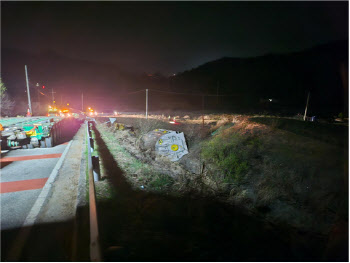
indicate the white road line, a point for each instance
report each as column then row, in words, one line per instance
column 21, row 238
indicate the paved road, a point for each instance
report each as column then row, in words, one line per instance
column 23, row 175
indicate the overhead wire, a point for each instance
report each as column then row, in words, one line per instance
column 194, row 94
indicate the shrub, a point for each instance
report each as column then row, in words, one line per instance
column 161, row 182
column 231, row 155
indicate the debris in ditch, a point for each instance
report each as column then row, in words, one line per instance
column 121, row 127
column 166, row 143
column 112, row 120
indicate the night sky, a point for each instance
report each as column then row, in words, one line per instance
column 169, row 37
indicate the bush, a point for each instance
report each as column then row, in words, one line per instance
column 231, row 155
column 161, row 182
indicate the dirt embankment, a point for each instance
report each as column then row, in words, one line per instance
column 278, row 175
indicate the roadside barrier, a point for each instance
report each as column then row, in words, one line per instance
column 95, row 250
column 56, row 131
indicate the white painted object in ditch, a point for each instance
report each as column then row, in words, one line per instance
column 172, row 145
column 112, row 120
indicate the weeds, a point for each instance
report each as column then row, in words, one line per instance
column 230, row 155
column 328, row 133
column 161, row 182
column 251, row 164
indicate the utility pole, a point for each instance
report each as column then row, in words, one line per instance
column 307, row 103
column 82, row 101
column 146, row 104
column 29, row 103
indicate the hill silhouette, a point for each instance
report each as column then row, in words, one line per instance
column 273, row 82
column 284, row 78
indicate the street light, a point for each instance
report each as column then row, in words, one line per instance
column 37, row 89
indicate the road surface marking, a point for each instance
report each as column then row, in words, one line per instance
column 24, row 232
column 31, row 157
column 23, row 185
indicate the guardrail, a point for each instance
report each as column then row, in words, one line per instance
column 56, row 131
column 95, row 251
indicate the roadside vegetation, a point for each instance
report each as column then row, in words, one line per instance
column 285, row 171
column 139, row 174
column 6, row 103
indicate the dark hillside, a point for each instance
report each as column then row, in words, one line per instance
column 286, row 79
column 246, row 84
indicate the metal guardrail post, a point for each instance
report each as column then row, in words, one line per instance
column 95, row 252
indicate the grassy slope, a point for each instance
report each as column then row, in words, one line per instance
column 138, row 173
column 293, row 175
column 288, row 171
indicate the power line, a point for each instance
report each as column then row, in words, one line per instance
column 194, row 94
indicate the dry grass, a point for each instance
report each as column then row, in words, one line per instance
column 285, row 173
column 250, row 164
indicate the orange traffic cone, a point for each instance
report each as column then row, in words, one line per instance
column 28, row 113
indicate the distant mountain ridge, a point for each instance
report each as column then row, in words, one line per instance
column 247, row 82
column 285, row 77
